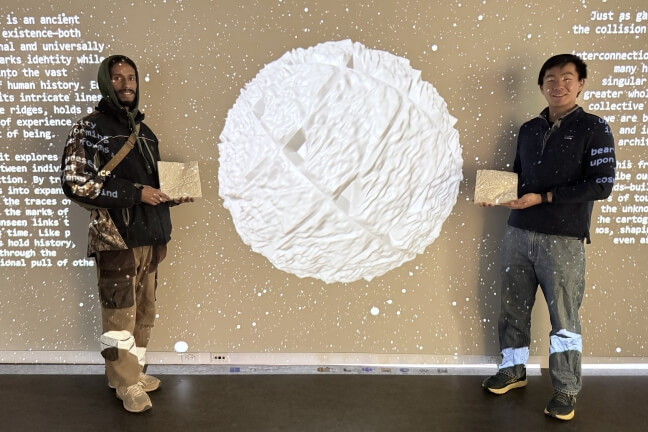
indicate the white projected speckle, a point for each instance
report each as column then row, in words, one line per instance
column 180, row 347
column 339, row 162
column 375, row 311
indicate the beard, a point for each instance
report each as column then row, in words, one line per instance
column 127, row 104
column 126, row 98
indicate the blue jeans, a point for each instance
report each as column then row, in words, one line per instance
column 557, row 264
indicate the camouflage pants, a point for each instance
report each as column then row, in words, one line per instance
column 127, row 288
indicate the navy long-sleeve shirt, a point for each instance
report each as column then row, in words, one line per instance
column 574, row 160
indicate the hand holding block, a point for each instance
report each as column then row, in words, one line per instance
column 495, row 187
column 180, row 180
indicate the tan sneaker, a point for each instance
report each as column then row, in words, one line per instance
column 148, row 382
column 135, row 399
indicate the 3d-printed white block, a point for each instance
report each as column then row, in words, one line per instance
column 495, row 187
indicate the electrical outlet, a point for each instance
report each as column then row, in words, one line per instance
column 219, row 358
column 189, row 357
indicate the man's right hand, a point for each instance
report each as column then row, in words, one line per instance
column 153, row 197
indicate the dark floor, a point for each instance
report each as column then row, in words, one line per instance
column 311, row 403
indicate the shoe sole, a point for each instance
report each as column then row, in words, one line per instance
column 146, row 408
column 501, row 391
column 560, row 416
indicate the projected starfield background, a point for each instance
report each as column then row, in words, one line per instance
column 442, row 86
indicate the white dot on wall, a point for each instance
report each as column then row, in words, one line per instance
column 147, row 78
column 180, row 347
column 480, row 17
column 375, row 311
column 80, row 304
column 618, row 349
column 434, row 47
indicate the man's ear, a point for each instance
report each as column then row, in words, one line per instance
column 581, row 85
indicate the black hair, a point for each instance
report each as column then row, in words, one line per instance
column 562, row 60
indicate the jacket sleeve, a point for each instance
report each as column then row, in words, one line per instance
column 81, row 178
column 599, row 168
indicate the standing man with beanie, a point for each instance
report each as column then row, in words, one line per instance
column 110, row 167
column 565, row 161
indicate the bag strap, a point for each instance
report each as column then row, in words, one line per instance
column 121, row 154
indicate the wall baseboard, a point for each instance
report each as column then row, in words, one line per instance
column 89, row 362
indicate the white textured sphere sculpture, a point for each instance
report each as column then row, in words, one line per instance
column 338, row 162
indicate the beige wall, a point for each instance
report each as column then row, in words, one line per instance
column 219, row 296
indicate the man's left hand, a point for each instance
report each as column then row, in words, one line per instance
column 182, row 200
column 525, row 201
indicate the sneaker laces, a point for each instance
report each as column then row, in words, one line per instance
column 142, row 378
column 564, row 398
column 135, row 389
